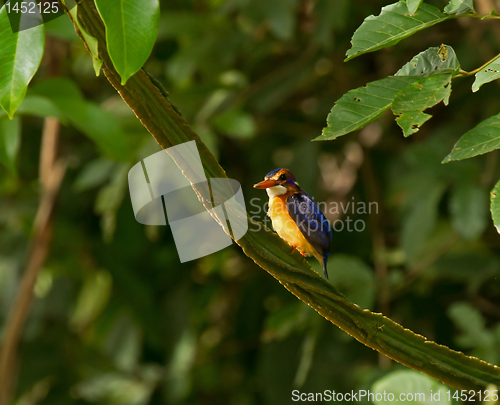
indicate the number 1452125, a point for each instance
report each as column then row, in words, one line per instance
column 471, row 395
column 32, row 7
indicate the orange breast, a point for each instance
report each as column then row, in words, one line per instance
column 286, row 227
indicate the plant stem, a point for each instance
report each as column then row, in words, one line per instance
column 51, row 175
column 463, row 73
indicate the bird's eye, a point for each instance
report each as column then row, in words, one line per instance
column 282, row 177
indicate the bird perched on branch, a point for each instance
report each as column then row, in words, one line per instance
column 296, row 217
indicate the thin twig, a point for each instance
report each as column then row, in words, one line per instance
column 378, row 243
column 463, row 73
column 486, row 306
column 51, row 175
column 48, row 148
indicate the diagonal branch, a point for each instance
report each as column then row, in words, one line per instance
column 268, row 251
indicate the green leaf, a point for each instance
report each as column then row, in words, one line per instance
column 472, row 323
column 89, row 40
column 40, row 107
column 353, row 278
column 363, row 105
column 432, row 61
column 282, row 322
column 20, row 56
column 281, row 16
column 110, row 198
column 413, row 5
column 468, row 207
column 93, row 174
column 392, row 25
column 61, row 28
column 410, row 102
column 97, row 124
column 10, row 139
column 121, row 388
column 329, row 16
column 92, row 299
column 495, row 205
column 421, row 220
column 486, row 75
column 236, row 123
column 481, row 139
column 403, row 383
column 131, row 29
column 459, row 7
column 491, row 13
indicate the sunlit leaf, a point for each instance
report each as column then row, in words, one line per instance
column 459, row 7
column 131, row 29
column 486, row 75
column 410, row 103
column 363, row 105
column 495, row 206
column 468, row 207
column 393, row 24
column 10, row 139
column 413, row 5
column 90, row 40
column 434, row 60
column 481, row 139
column 403, row 383
column 92, row 299
column 120, row 388
column 20, row 55
column 123, row 342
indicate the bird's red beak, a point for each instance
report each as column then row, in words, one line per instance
column 266, row 184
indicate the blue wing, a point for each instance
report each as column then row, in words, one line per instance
column 311, row 221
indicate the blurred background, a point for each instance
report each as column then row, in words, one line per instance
column 117, row 319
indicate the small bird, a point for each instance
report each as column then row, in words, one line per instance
column 295, row 216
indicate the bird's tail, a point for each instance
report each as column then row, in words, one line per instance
column 324, row 265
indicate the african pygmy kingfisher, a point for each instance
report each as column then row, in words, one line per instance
column 295, row 216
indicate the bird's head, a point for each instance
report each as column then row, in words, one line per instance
column 278, row 182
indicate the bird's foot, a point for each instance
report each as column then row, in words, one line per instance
column 303, row 253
